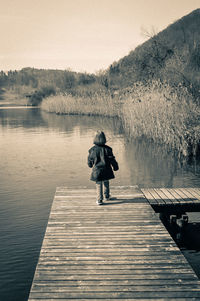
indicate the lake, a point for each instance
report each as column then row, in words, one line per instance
column 40, row 151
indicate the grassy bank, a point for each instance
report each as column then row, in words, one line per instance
column 12, row 97
column 102, row 105
column 164, row 114
column 156, row 111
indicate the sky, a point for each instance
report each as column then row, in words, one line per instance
column 80, row 35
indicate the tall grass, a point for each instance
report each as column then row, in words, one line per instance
column 96, row 105
column 164, row 114
column 157, row 111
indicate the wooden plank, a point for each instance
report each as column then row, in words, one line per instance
column 108, row 299
column 111, row 282
column 149, row 197
column 112, row 273
column 173, row 196
column 114, row 288
column 189, row 195
column 194, row 194
column 127, row 299
column 158, row 199
column 163, row 196
column 120, row 258
column 117, row 251
column 105, row 243
column 117, row 191
column 184, row 197
column 144, row 293
column 177, row 196
column 168, row 195
column 197, row 190
column 118, row 195
column 60, row 275
column 84, row 189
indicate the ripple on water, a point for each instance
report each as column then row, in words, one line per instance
column 41, row 151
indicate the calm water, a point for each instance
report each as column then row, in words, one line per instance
column 40, row 151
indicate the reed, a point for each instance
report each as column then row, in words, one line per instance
column 164, row 114
column 102, row 105
column 157, row 111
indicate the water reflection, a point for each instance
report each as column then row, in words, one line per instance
column 153, row 166
column 40, row 151
column 25, row 118
column 66, row 123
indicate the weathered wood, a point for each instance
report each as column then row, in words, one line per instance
column 197, row 191
column 49, row 287
column 161, row 272
column 194, row 192
column 110, row 282
column 145, row 294
column 173, row 200
column 191, row 194
column 61, row 275
column 170, row 196
column 184, row 197
column 177, row 196
column 108, row 299
column 155, row 196
column 117, row 251
column 163, row 196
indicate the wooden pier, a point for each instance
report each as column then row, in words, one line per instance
column 118, row 251
column 173, row 200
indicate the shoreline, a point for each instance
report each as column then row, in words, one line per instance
column 18, row 107
column 156, row 111
column 166, row 115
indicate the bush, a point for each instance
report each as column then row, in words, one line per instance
column 36, row 98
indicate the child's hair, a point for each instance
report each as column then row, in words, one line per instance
column 99, row 138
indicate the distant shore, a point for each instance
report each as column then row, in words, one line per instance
column 9, row 98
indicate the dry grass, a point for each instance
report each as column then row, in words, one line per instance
column 66, row 104
column 164, row 115
column 156, row 111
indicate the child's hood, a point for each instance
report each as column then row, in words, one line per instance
column 100, row 138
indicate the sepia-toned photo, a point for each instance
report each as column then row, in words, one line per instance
column 99, row 150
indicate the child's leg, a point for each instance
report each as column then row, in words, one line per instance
column 106, row 189
column 99, row 188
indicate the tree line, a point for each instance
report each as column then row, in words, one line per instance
column 171, row 56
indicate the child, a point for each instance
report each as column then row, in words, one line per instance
column 102, row 160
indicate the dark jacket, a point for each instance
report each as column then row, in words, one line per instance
column 102, row 160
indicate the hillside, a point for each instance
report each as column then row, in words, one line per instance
column 172, row 55
column 35, row 84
